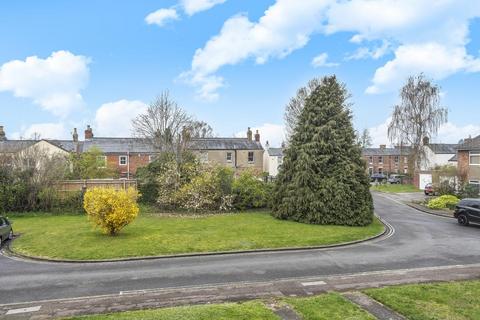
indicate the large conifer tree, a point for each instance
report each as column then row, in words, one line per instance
column 323, row 179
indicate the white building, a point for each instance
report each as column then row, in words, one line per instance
column 272, row 159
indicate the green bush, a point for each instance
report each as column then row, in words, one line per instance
column 250, row 191
column 443, row 202
column 469, row 191
column 49, row 199
column 208, row 191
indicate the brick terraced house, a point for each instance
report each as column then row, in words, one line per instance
column 386, row 161
column 126, row 155
column 468, row 157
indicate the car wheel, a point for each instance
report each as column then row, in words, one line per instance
column 463, row 220
column 10, row 235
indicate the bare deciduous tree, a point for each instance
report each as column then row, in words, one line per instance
column 365, row 140
column 296, row 104
column 168, row 127
column 419, row 116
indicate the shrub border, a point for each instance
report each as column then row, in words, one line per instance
column 388, row 231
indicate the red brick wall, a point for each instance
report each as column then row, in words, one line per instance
column 388, row 165
column 136, row 161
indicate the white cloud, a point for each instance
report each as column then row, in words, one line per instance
column 322, row 61
column 435, row 60
column 53, row 83
column 162, row 16
column 372, row 53
column 42, row 131
column 273, row 133
column 447, row 133
column 114, row 119
column 402, row 27
column 192, row 7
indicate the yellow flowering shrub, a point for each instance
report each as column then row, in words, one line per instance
column 110, row 209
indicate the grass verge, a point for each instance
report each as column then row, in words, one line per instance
column 395, row 188
column 72, row 237
column 328, row 307
column 253, row 310
column 453, row 301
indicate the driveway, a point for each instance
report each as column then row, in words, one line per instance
column 419, row 241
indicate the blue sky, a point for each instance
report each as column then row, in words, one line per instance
column 232, row 63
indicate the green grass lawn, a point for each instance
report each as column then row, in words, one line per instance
column 73, row 237
column 395, row 188
column 253, row 310
column 453, row 301
column 328, row 307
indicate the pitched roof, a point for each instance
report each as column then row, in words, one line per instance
column 443, row 148
column 275, row 152
column 118, row 145
column 454, row 158
column 386, row 151
column 224, row 144
column 67, row 145
column 470, row 144
column 12, row 146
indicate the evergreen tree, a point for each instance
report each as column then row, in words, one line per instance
column 323, row 178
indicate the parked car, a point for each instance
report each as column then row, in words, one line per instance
column 468, row 210
column 379, row 177
column 6, row 231
column 395, row 179
column 429, row 190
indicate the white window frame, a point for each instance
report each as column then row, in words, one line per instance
column 475, row 154
column 104, row 161
column 253, row 157
column 380, row 159
column 474, row 182
column 227, row 157
column 120, row 160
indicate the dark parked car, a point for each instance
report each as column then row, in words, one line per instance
column 468, row 210
column 379, row 177
column 6, row 231
column 429, row 191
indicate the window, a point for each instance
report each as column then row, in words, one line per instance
column 102, row 161
column 405, row 159
column 380, row 159
column 405, row 170
column 380, row 170
column 370, row 171
column 475, row 158
column 280, row 160
column 397, row 158
column 151, row 158
column 370, row 159
column 229, row 157
column 250, row 156
column 123, row 160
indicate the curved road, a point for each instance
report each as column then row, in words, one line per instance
column 420, row 240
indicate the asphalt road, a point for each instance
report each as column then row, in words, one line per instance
column 420, row 240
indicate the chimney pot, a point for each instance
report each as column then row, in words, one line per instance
column 75, row 135
column 88, row 133
column 249, row 134
column 383, row 146
column 257, row 136
column 426, row 141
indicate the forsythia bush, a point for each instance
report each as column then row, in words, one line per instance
column 443, row 202
column 110, row 209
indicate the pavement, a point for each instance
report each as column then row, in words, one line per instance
column 420, row 248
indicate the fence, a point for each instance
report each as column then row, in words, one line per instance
column 80, row 185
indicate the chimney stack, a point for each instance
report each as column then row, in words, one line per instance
column 249, row 134
column 267, row 145
column 3, row 137
column 88, row 133
column 257, row 136
column 426, row 141
column 75, row 135
column 383, row 146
